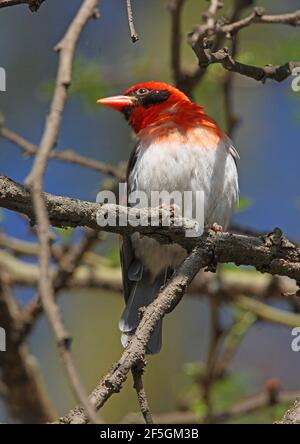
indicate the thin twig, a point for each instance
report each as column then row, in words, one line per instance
column 66, row 155
column 232, row 340
column 62, row 275
column 66, row 48
column 188, row 81
column 212, row 28
column 214, row 337
column 216, row 32
column 133, row 34
column 251, row 404
column 223, row 57
column 258, row 16
column 231, row 121
column 266, row 312
column 137, row 374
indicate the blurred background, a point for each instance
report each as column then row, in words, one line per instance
column 267, row 138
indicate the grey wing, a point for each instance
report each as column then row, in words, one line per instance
column 132, row 268
column 129, row 263
column 138, row 286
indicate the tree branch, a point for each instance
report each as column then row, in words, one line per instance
column 168, row 298
column 292, row 416
column 61, row 276
column 137, row 374
column 66, row 48
column 273, row 253
column 32, row 4
column 258, row 16
column 66, row 155
column 133, row 34
column 251, row 404
column 207, row 57
column 208, row 53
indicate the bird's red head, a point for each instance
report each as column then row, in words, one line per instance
column 156, row 103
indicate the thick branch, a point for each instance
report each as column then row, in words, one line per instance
column 292, row 416
column 273, row 254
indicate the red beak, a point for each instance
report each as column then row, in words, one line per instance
column 117, row 102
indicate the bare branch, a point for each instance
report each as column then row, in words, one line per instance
column 251, row 404
column 231, row 120
column 137, row 374
column 206, row 57
column 211, row 28
column 273, row 253
column 32, row 4
column 67, row 265
column 66, row 155
column 292, row 416
column 210, row 14
column 135, row 351
column 209, row 52
column 87, row 275
column 66, row 48
column 258, row 16
column 133, row 34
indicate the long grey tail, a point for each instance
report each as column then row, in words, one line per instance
column 144, row 291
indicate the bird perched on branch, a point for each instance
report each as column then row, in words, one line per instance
column 179, row 148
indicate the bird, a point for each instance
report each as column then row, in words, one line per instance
column 178, row 147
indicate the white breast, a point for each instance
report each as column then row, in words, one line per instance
column 183, row 164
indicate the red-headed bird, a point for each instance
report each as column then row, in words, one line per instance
column 179, row 148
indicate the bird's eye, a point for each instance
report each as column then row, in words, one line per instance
column 142, row 91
